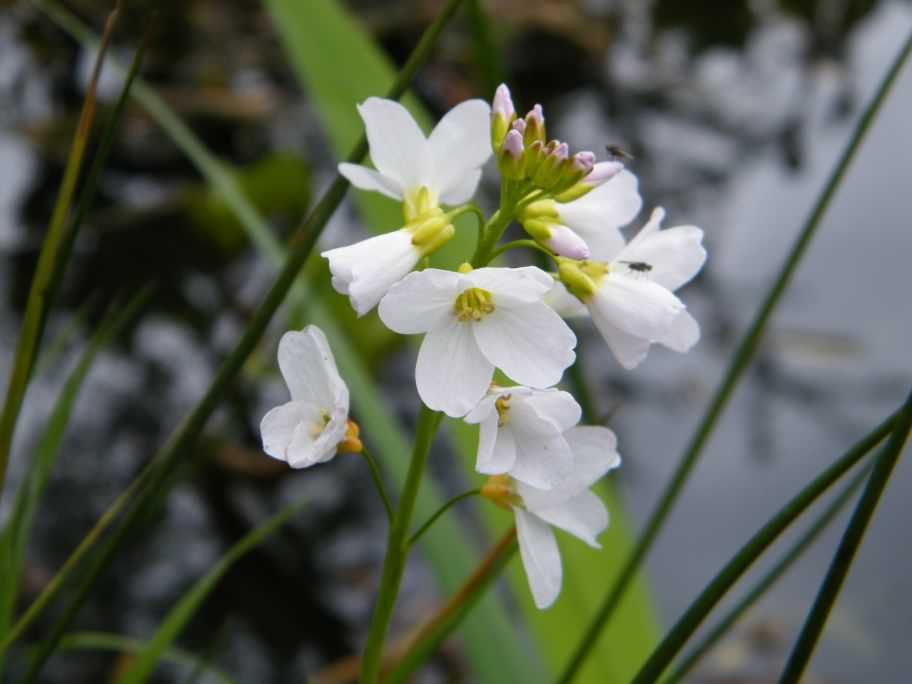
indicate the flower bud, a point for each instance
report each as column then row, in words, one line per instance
column 564, row 242
column 535, row 125
column 502, row 115
column 577, row 276
column 600, row 174
column 552, row 167
column 510, row 161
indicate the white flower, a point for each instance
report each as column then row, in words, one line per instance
column 308, row 429
column 522, row 433
column 476, row 321
column 366, row 270
column 422, row 173
column 629, row 295
column 448, row 163
column 570, row 506
column 587, row 226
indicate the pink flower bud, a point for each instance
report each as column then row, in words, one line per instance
column 519, row 125
column 513, row 144
column 583, row 162
column 564, row 242
column 562, row 151
column 503, row 103
column 603, row 172
column 537, row 115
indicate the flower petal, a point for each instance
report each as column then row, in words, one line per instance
column 629, row 350
column 540, row 556
column 305, row 451
column 496, row 448
column 594, row 453
column 368, row 179
column 512, row 285
column 636, row 305
column 462, row 191
column 366, row 270
column 452, row 374
column 309, row 369
column 459, row 145
column 584, row 516
column 676, row 254
column 557, row 407
column 420, row 301
column 398, row 147
column 279, row 424
column 683, row 334
column 541, row 463
column 564, row 303
column 597, row 215
column 528, row 342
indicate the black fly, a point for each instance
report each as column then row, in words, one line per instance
column 638, row 266
column 618, row 152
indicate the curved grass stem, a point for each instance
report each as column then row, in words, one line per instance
column 848, row 548
column 744, row 354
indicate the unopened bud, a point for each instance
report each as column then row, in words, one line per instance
column 552, row 167
column 510, row 160
column 535, row 125
column 502, row 115
column 564, row 242
column 600, row 174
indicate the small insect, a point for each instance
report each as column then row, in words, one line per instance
column 618, row 152
column 638, row 266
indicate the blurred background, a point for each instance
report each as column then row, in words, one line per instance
column 734, row 111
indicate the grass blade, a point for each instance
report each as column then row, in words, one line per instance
column 48, row 262
column 769, row 579
column 103, row 641
column 178, row 617
column 848, row 548
column 739, row 363
column 749, row 552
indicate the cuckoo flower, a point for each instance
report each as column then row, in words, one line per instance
column 570, row 506
column 522, row 433
column 588, row 225
column 629, row 292
column 422, row 172
column 476, row 320
column 314, row 424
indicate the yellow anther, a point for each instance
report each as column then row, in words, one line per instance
column 500, row 490
column 473, row 304
column 317, row 428
column 502, row 404
column 352, row 443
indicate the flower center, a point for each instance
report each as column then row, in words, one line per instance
column 473, row 304
column 502, row 404
column 317, row 428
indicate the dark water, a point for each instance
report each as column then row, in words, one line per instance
column 735, row 115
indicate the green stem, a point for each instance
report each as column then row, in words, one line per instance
column 531, row 244
column 440, row 511
column 742, row 358
column 491, row 234
column 432, row 634
column 156, row 472
column 747, row 554
column 848, row 547
column 378, row 483
column 397, row 546
column 768, row 580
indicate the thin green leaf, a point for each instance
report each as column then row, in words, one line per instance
column 725, row 579
column 847, row 549
column 742, row 358
column 15, row 534
column 178, row 617
column 724, row 625
column 48, row 262
column 103, row 641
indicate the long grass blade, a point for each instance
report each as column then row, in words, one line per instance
column 104, row 641
column 48, row 262
column 744, row 354
column 847, row 550
column 178, row 617
column 751, row 551
column 724, row 625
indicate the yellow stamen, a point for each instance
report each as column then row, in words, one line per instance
column 473, row 304
column 351, row 444
column 502, row 404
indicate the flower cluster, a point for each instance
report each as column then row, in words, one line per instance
column 478, row 320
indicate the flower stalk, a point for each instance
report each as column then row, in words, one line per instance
column 397, row 546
